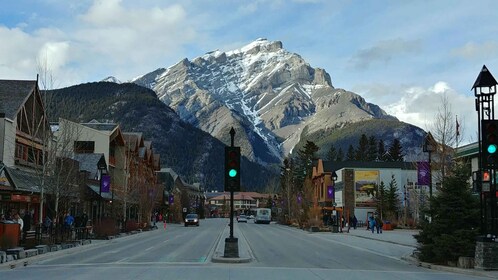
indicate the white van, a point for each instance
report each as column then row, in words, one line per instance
column 263, row 215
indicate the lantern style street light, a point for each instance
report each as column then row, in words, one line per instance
column 484, row 90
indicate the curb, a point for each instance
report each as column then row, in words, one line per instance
column 218, row 254
column 30, row 260
column 472, row 272
column 387, row 241
column 221, row 259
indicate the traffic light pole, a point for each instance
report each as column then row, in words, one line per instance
column 231, row 243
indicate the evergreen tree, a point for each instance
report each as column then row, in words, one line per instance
column 392, row 199
column 455, row 223
column 350, row 155
column 381, row 151
column 340, row 155
column 372, row 149
column 305, row 159
column 362, row 149
column 381, row 199
column 332, row 154
column 395, row 151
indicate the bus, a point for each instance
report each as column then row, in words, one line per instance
column 263, row 215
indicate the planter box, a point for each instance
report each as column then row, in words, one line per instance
column 387, row 227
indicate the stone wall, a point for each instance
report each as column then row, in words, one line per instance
column 486, row 255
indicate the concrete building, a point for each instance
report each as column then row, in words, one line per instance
column 355, row 185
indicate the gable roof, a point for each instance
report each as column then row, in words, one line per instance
column 13, row 94
column 133, row 140
column 88, row 162
column 100, row 126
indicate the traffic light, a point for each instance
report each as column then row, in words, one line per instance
column 489, row 143
column 232, row 169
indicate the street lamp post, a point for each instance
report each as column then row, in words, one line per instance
column 101, row 165
column 288, row 194
column 429, row 147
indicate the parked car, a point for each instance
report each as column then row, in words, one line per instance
column 192, row 219
column 242, row 219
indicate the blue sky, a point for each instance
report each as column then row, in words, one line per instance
column 401, row 55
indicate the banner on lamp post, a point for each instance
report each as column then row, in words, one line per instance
column 423, row 173
column 105, row 183
column 330, row 192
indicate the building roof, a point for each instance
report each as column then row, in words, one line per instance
column 13, row 94
column 468, row 150
column 330, row 166
column 239, row 196
column 23, row 180
column 105, row 195
column 100, row 126
column 133, row 140
column 88, row 162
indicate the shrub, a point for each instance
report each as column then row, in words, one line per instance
column 131, row 225
column 106, row 227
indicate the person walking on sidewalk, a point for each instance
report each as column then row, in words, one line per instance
column 378, row 224
column 371, row 223
column 355, row 221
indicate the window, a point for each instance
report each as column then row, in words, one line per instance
column 84, row 147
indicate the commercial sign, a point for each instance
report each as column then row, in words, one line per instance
column 365, row 182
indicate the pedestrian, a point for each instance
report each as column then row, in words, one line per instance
column 355, row 221
column 378, row 224
column 18, row 220
column 68, row 221
column 27, row 221
column 371, row 223
column 84, row 219
column 47, row 224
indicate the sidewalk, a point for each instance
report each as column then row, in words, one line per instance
column 398, row 236
column 405, row 237
column 245, row 254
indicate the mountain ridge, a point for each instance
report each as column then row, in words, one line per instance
column 267, row 92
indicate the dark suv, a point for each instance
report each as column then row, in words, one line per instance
column 192, row 219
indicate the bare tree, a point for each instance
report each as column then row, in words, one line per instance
column 444, row 131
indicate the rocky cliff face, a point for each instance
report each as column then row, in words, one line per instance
column 269, row 95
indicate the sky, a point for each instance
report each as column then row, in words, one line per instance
column 405, row 56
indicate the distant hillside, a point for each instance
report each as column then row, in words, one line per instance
column 194, row 154
column 410, row 136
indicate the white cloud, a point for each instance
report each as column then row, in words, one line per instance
column 56, row 53
column 384, row 51
column 471, row 50
column 419, row 105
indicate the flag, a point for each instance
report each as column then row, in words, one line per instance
column 457, row 127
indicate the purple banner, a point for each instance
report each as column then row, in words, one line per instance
column 171, row 199
column 330, row 192
column 423, row 173
column 105, row 183
column 299, row 198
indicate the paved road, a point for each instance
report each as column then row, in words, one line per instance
column 279, row 252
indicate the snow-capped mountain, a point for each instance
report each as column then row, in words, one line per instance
column 111, row 79
column 268, row 94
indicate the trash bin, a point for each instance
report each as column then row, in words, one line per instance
column 10, row 234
